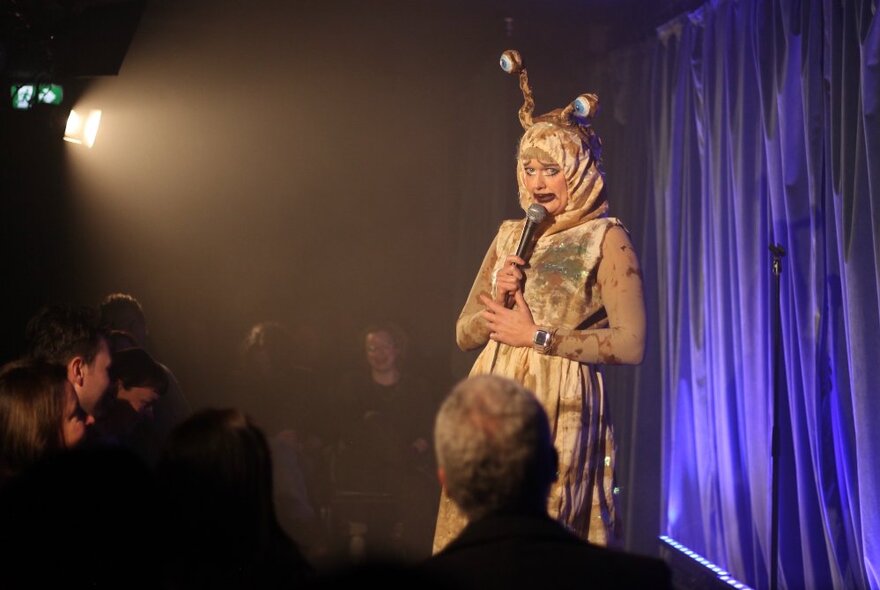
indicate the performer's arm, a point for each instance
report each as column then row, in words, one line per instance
column 620, row 281
column 471, row 330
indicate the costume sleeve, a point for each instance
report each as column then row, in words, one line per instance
column 471, row 330
column 620, row 283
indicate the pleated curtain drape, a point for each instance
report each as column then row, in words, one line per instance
column 759, row 123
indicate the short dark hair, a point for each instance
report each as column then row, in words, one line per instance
column 120, row 339
column 117, row 310
column 58, row 333
column 136, row 368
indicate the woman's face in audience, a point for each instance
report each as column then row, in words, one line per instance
column 381, row 351
column 75, row 422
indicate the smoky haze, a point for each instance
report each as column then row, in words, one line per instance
column 300, row 162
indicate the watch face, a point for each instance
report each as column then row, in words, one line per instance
column 542, row 338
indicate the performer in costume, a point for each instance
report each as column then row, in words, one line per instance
column 551, row 321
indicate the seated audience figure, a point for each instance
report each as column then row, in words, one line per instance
column 137, row 384
column 281, row 397
column 215, row 476
column 385, row 449
column 39, row 415
column 123, row 317
column 277, row 392
column 69, row 336
column 497, row 462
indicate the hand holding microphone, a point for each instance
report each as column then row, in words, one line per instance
column 510, row 276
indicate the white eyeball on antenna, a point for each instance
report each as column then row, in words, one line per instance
column 583, row 108
column 511, row 62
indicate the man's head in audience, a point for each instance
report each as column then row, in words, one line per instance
column 121, row 311
column 494, row 450
column 138, row 380
column 69, row 336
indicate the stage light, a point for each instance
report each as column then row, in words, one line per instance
column 81, row 129
column 24, row 96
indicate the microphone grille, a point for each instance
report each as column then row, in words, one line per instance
column 536, row 213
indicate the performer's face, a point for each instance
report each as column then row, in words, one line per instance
column 546, row 184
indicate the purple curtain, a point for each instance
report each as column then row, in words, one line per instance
column 763, row 121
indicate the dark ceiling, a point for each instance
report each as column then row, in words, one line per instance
column 66, row 38
column 85, row 38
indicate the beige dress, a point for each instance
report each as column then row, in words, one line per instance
column 564, row 293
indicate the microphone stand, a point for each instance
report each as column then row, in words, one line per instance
column 776, row 254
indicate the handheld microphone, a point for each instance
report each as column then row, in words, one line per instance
column 534, row 216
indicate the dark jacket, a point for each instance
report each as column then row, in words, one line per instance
column 520, row 551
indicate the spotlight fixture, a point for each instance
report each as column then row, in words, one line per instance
column 82, row 129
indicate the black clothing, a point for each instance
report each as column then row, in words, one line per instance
column 534, row 551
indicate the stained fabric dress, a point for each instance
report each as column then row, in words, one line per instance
column 562, row 290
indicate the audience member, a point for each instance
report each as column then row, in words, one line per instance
column 281, row 397
column 276, row 391
column 138, row 379
column 69, row 336
column 39, row 414
column 386, row 451
column 120, row 340
column 137, row 383
column 123, row 316
column 497, row 462
column 216, row 477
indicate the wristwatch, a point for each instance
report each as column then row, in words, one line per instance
column 542, row 340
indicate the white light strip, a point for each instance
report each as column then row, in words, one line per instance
column 722, row 575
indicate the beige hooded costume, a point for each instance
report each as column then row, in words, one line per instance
column 579, row 272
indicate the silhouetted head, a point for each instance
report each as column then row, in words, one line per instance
column 121, row 311
column 494, row 450
column 217, row 471
column 215, row 475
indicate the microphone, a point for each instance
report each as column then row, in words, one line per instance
column 534, row 216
